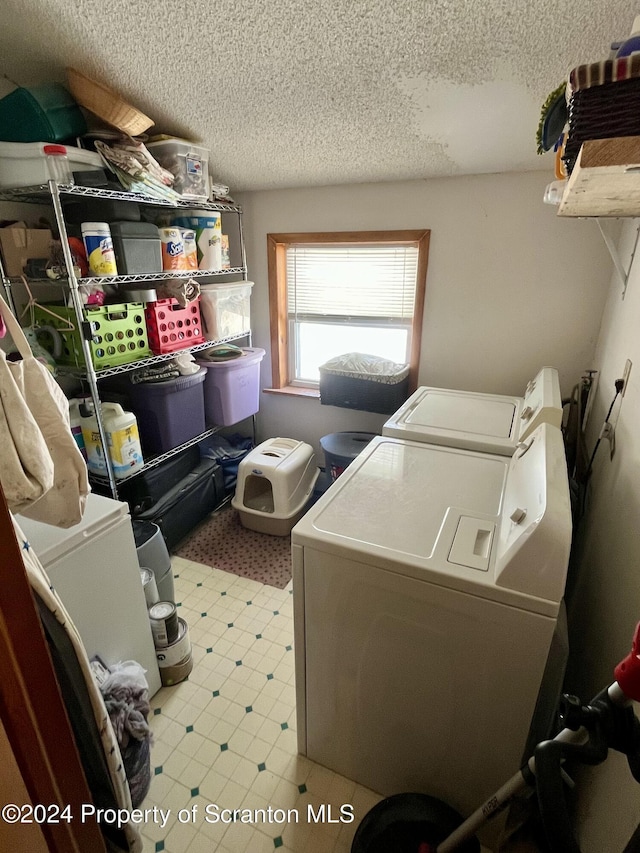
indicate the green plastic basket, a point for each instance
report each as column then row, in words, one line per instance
column 119, row 334
column 44, row 113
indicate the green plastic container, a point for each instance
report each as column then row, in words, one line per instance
column 119, row 334
column 44, row 113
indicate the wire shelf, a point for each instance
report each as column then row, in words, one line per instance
column 165, row 275
column 52, row 193
column 145, row 362
column 157, row 460
column 42, row 194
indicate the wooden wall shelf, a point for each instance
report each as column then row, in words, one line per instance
column 605, row 180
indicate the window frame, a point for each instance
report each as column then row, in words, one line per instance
column 277, row 245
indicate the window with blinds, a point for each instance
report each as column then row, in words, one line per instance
column 331, row 293
column 344, row 298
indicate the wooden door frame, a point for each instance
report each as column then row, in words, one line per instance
column 32, row 708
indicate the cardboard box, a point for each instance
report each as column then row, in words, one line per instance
column 19, row 243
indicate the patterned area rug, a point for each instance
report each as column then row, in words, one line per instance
column 222, row 542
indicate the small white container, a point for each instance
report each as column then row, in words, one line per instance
column 58, row 164
column 150, row 587
column 25, row 164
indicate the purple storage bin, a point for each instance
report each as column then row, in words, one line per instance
column 232, row 388
column 169, row 413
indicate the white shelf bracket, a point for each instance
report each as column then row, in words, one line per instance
column 615, row 257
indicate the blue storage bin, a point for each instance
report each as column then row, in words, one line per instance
column 170, row 412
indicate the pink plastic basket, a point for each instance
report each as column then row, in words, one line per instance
column 171, row 327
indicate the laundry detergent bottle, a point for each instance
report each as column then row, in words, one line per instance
column 75, row 421
column 121, row 430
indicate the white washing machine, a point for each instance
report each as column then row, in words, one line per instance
column 490, row 423
column 428, row 585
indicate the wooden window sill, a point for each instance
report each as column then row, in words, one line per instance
column 294, row 391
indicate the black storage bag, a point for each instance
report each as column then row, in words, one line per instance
column 144, row 490
column 187, row 503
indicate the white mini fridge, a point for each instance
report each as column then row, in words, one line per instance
column 94, row 568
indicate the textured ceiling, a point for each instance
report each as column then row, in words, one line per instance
column 320, row 92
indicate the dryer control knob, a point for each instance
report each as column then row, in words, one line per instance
column 518, row 515
column 526, row 413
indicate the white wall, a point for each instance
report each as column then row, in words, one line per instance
column 510, row 286
column 606, row 605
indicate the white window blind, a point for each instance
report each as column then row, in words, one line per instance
column 341, row 281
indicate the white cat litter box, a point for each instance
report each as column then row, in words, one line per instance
column 275, row 483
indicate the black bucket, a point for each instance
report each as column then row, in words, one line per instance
column 341, row 448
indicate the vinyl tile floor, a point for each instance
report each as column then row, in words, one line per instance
column 225, row 739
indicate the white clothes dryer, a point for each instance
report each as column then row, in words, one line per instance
column 428, row 585
column 490, row 423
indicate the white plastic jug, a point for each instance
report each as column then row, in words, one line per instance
column 75, row 420
column 121, row 429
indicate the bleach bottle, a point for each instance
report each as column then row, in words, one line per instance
column 121, row 430
column 75, row 421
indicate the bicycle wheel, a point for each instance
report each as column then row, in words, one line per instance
column 408, row 823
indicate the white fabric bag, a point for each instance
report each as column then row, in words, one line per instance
column 41, row 584
column 43, row 473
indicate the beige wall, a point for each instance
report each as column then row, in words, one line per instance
column 606, row 604
column 510, row 287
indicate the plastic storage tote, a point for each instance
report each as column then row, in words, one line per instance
column 232, row 388
column 44, row 113
column 25, row 164
column 341, row 448
column 170, row 412
column 226, row 309
column 188, row 163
